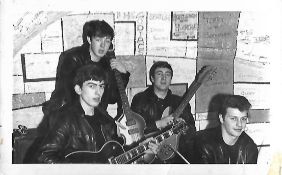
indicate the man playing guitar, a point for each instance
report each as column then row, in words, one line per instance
column 79, row 126
column 156, row 100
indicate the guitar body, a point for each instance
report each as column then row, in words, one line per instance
column 112, row 152
column 166, row 152
column 134, row 127
column 168, row 146
column 109, row 150
column 204, row 75
column 133, row 122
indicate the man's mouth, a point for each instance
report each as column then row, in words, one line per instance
column 238, row 130
column 96, row 99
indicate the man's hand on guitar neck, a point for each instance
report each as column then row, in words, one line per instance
column 118, row 65
column 164, row 122
column 153, row 146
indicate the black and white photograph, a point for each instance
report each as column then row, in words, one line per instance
column 187, row 90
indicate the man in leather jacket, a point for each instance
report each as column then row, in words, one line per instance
column 97, row 40
column 79, row 126
column 152, row 102
column 227, row 143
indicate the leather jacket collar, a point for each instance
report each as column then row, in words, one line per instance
column 210, row 148
column 153, row 96
column 78, row 111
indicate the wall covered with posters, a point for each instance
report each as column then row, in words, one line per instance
column 237, row 43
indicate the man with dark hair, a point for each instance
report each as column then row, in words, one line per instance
column 79, row 126
column 97, row 40
column 152, row 103
column 227, row 143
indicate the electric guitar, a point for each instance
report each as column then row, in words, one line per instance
column 112, row 152
column 205, row 74
column 133, row 122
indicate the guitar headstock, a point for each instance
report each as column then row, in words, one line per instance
column 205, row 74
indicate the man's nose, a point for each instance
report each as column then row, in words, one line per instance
column 99, row 91
column 239, row 123
column 163, row 77
column 102, row 43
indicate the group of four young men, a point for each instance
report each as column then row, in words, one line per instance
column 86, row 83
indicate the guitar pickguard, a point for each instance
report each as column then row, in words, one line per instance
column 166, row 148
column 134, row 128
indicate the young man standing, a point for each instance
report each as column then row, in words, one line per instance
column 97, row 40
column 79, row 126
column 152, row 103
column 227, row 143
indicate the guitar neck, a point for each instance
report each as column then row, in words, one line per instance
column 121, row 88
column 131, row 154
column 135, row 152
column 190, row 93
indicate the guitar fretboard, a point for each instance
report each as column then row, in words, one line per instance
column 123, row 96
column 190, row 93
column 206, row 71
column 135, row 152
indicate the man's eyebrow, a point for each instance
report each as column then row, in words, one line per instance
column 238, row 116
column 96, row 83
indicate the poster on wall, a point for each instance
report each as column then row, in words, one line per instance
column 125, row 38
column 253, row 38
column 184, row 26
column 140, row 22
column 218, row 29
column 257, row 94
column 158, row 37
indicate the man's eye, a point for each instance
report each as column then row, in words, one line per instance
column 244, row 119
column 233, row 118
column 92, row 86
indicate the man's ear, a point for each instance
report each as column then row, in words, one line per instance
column 88, row 39
column 152, row 79
column 77, row 89
column 220, row 118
